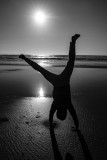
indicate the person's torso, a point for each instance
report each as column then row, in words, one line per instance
column 62, row 94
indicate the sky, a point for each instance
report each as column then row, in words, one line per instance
column 19, row 33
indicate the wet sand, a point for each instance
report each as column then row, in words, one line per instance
column 24, row 125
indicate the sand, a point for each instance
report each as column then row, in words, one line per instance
column 25, row 132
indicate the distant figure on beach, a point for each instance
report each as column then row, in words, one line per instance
column 61, row 86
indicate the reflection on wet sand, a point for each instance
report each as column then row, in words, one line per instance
column 41, row 92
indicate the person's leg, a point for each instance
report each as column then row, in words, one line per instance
column 74, row 115
column 72, row 47
column 48, row 75
column 70, row 65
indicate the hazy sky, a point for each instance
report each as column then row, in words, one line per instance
column 20, row 34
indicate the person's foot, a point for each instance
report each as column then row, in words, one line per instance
column 75, row 37
column 21, row 56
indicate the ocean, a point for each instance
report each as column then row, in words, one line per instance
column 54, row 60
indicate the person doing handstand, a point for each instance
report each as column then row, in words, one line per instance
column 61, row 86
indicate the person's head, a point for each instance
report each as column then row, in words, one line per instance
column 61, row 113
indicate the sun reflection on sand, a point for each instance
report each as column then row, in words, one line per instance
column 41, row 92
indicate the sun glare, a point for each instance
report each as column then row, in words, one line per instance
column 40, row 17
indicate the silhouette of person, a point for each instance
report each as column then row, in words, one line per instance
column 61, row 86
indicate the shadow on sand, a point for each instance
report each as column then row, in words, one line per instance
column 84, row 146
column 47, row 124
column 57, row 155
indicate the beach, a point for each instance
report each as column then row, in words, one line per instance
column 24, row 112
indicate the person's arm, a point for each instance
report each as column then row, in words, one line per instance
column 51, row 114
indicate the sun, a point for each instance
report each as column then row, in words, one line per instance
column 40, row 17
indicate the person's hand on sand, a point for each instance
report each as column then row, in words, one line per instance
column 22, row 56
